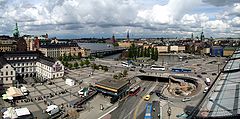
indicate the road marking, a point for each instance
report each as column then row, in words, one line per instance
column 107, row 113
column 137, row 107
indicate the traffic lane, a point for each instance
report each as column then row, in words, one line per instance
column 126, row 107
column 155, row 109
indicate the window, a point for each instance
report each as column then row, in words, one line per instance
column 6, row 73
column 11, row 78
column 6, row 79
column 11, row 72
column 6, row 67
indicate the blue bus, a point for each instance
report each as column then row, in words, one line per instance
column 148, row 113
column 181, row 70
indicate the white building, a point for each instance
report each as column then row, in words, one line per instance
column 20, row 65
column 7, row 72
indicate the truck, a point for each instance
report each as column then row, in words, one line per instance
column 52, row 109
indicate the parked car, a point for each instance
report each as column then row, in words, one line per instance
column 199, row 76
column 214, row 74
column 204, row 73
column 186, row 99
column 142, row 71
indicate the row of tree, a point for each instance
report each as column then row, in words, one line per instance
column 136, row 51
column 76, row 64
column 121, row 74
column 97, row 67
column 69, row 57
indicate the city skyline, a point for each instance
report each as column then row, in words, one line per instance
column 94, row 18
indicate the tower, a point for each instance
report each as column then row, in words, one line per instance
column 16, row 32
column 113, row 39
column 202, row 36
column 128, row 36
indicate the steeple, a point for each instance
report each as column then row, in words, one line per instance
column 202, row 36
column 128, row 35
column 113, row 39
column 16, row 32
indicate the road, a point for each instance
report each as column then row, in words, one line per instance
column 128, row 106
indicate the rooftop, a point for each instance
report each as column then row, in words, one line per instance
column 112, row 83
column 223, row 99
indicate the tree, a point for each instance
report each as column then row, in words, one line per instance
column 152, row 54
column 82, row 63
column 70, row 57
column 125, row 73
column 87, row 62
column 60, row 58
column 115, row 76
column 66, row 63
column 141, row 51
column 115, row 44
column 148, row 51
column 70, row 65
column 145, row 52
column 105, row 68
column 76, row 65
column 120, row 75
column 156, row 54
column 64, row 57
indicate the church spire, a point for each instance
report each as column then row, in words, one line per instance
column 128, row 35
column 16, row 32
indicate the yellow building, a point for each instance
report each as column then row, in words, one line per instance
column 162, row 49
column 57, row 50
column 124, row 44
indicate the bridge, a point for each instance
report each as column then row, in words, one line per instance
column 106, row 52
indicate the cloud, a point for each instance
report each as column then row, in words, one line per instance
column 158, row 17
column 220, row 2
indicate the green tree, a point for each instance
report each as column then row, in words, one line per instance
column 152, row 54
column 87, row 62
column 125, row 73
column 64, row 57
column 120, row 75
column 66, row 63
column 145, row 52
column 141, row 51
column 82, row 63
column 115, row 76
column 148, row 51
column 60, row 58
column 70, row 57
column 105, row 68
column 70, row 65
column 115, row 44
column 76, row 65
column 156, row 54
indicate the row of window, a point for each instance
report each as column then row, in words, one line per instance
column 21, row 58
column 6, row 73
column 6, row 78
column 24, row 64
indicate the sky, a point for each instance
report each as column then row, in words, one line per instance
column 103, row 18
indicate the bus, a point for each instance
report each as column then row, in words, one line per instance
column 155, row 67
column 134, row 90
column 148, row 112
column 181, row 70
column 208, row 81
column 125, row 64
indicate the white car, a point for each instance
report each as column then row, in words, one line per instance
column 205, row 90
column 186, row 99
